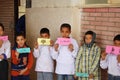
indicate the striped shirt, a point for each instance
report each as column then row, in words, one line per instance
column 87, row 61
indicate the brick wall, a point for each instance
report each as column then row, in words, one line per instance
column 7, row 17
column 105, row 22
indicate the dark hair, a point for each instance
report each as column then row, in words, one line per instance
column 90, row 33
column 20, row 34
column 65, row 25
column 2, row 26
column 117, row 37
column 44, row 30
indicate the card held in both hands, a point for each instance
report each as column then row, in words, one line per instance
column 78, row 74
column 43, row 41
column 64, row 41
column 23, row 50
column 113, row 50
column 4, row 38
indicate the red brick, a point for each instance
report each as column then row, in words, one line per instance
column 85, row 14
column 88, row 27
column 89, row 9
column 101, row 28
column 107, row 33
column 115, row 29
column 89, row 18
column 85, row 22
column 95, row 14
column 108, row 24
column 114, row 9
column 108, row 14
column 96, row 23
column 117, row 24
column 102, row 19
column 102, row 10
column 114, row 19
column 117, row 14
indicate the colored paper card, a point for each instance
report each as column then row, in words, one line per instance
column 113, row 50
column 43, row 41
column 82, row 74
column 23, row 50
column 63, row 41
column 4, row 38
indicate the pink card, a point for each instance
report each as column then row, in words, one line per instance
column 113, row 50
column 63, row 41
column 4, row 38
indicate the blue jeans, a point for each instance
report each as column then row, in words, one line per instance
column 20, row 77
column 111, row 77
column 44, row 76
column 65, row 77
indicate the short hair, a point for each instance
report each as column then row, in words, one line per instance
column 45, row 30
column 117, row 37
column 65, row 25
column 20, row 34
column 90, row 33
column 2, row 26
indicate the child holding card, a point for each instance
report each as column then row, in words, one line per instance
column 65, row 54
column 112, row 61
column 87, row 61
column 42, row 51
column 4, row 55
column 21, row 62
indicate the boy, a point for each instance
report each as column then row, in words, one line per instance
column 65, row 55
column 21, row 63
column 87, row 61
column 112, row 62
column 44, row 63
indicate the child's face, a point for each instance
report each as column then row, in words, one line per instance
column 65, row 32
column 88, row 38
column 117, row 43
column 44, row 35
column 1, row 31
column 20, row 41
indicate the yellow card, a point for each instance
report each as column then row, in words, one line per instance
column 43, row 41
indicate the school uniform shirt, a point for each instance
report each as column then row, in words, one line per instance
column 87, row 61
column 5, row 49
column 112, row 64
column 66, row 59
column 44, row 62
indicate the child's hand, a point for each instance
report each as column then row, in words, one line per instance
column 36, row 45
column 23, row 71
column 91, row 76
column 70, row 47
column 1, row 42
column 118, row 58
column 103, row 55
column 75, row 77
column 51, row 42
column 56, row 47
column 1, row 57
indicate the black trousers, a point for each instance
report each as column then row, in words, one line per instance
column 4, row 70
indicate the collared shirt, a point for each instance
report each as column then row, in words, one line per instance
column 44, row 61
column 112, row 64
column 65, row 58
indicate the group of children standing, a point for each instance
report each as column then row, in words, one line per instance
column 71, row 61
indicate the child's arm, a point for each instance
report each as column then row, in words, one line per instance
column 15, row 59
column 54, row 51
column 74, row 49
column 103, row 61
column 118, row 59
column 36, row 50
column 95, row 61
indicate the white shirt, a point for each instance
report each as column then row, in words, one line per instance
column 66, row 59
column 5, row 49
column 44, row 61
column 112, row 64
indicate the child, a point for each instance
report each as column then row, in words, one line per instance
column 88, row 57
column 65, row 55
column 4, row 55
column 112, row 62
column 21, row 63
column 44, row 63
